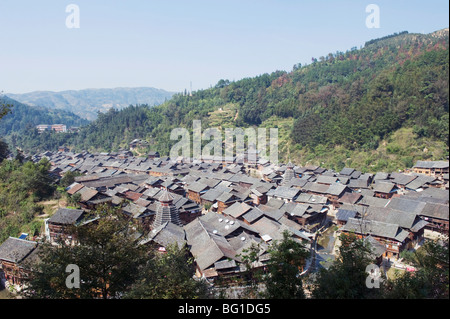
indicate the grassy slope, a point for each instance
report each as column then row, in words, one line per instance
column 398, row 152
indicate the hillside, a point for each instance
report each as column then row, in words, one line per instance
column 22, row 117
column 378, row 108
column 86, row 103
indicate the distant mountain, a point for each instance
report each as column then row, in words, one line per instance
column 23, row 117
column 86, row 103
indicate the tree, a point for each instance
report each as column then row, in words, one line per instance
column 73, row 199
column 107, row 255
column 253, row 276
column 431, row 278
column 22, row 186
column 169, row 275
column 287, row 259
column 69, row 178
column 37, row 178
column 346, row 277
column 4, row 108
column 4, row 151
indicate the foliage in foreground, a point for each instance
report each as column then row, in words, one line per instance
column 112, row 264
column 22, row 186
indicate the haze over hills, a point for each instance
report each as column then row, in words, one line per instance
column 86, row 103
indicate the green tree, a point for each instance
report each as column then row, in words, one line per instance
column 4, row 108
column 431, row 278
column 107, row 254
column 287, row 259
column 38, row 179
column 4, row 151
column 253, row 276
column 69, row 178
column 169, row 275
column 22, row 186
column 73, row 199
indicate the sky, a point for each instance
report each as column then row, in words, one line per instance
column 169, row 44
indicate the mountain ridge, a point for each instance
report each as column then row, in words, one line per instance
column 379, row 107
column 87, row 102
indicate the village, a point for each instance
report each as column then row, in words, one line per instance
column 219, row 207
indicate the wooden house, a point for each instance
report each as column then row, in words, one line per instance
column 237, row 210
column 209, row 249
column 287, row 194
column 259, row 196
column 437, row 216
column 225, row 200
column 343, row 215
column 349, row 198
column 409, row 221
column 196, row 190
column 163, row 236
column 431, row 168
column 314, row 188
column 188, row 209
column 216, row 241
column 153, row 155
column 137, row 143
column 392, row 236
column 335, row 191
column 16, row 258
column 160, row 171
column 378, row 250
column 384, row 190
column 59, row 225
column 309, row 216
column 401, row 180
column 210, row 196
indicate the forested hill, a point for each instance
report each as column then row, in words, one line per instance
column 86, row 103
column 377, row 108
column 24, row 117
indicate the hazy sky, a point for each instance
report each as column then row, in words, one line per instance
column 169, row 43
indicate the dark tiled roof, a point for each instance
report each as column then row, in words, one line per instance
column 436, row 210
column 336, row 189
column 431, row 164
column 350, row 198
column 16, row 250
column 383, row 187
column 344, row 214
column 405, row 204
column 66, row 216
column 347, row 171
column 197, row 187
column 167, row 234
column 237, row 209
column 375, row 228
column 207, row 247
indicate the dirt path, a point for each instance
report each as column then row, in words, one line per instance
column 50, row 206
